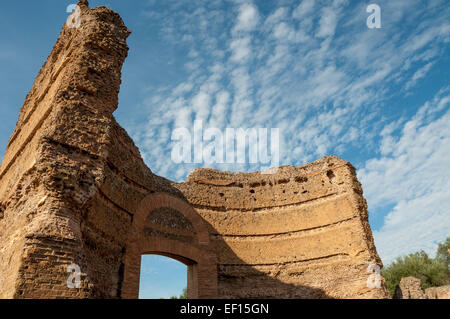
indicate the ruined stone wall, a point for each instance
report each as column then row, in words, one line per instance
column 75, row 190
column 300, row 233
column 71, row 178
column 411, row 288
column 442, row 292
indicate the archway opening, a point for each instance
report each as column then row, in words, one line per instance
column 166, row 276
column 168, row 226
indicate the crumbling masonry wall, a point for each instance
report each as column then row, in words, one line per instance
column 300, row 233
column 75, row 190
column 411, row 288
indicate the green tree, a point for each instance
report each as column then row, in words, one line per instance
column 182, row 296
column 443, row 253
column 432, row 272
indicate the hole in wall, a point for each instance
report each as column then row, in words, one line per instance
column 301, row 179
column 330, row 174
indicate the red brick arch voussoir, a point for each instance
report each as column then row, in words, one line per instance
column 161, row 200
column 201, row 261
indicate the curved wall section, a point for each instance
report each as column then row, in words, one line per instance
column 300, row 233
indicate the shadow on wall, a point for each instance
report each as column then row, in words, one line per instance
column 168, row 226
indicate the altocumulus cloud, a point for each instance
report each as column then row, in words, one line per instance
column 412, row 175
column 313, row 69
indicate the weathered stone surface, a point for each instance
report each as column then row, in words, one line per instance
column 409, row 288
column 71, row 178
column 442, row 292
column 75, row 190
column 299, row 233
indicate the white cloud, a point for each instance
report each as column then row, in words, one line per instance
column 419, row 74
column 241, row 49
column 326, row 94
column 201, row 105
column 277, row 16
column 328, row 23
column 411, row 175
column 417, row 224
column 248, row 17
column 304, row 8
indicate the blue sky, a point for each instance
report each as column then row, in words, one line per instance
column 161, row 277
column 379, row 98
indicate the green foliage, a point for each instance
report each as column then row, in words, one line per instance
column 182, row 296
column 443, row 253
column 433, row 272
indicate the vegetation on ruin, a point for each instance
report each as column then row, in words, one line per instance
column 433, row 272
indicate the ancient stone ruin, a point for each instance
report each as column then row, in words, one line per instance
column 74, row 190
column 411, row 288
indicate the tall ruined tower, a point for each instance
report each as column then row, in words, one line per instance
column 75, row 194
column 71, row 177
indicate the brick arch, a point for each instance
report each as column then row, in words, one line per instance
column 201, row 262
column 161, row 200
